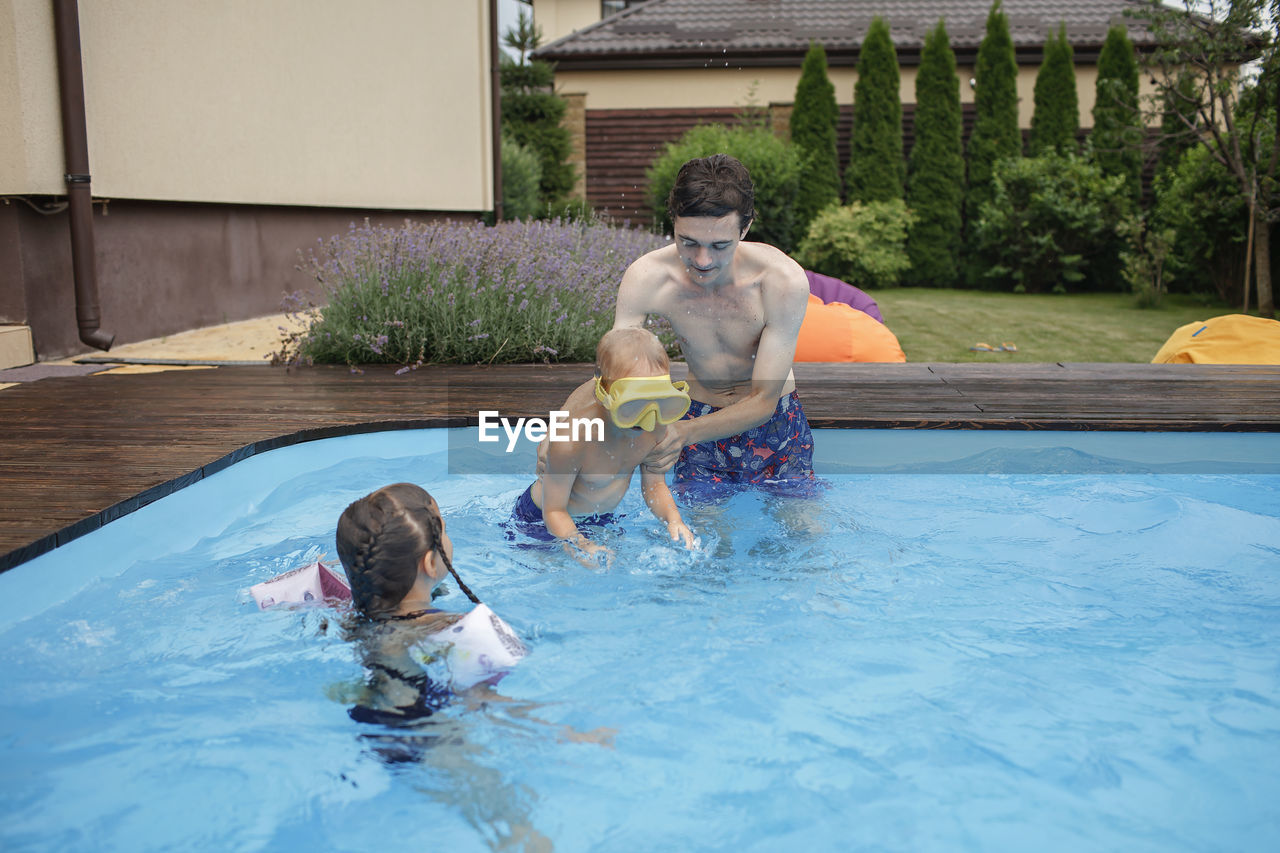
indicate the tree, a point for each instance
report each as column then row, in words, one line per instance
column 521, row 175
column 524, row 37
column 995, row 129
column 1056, row 118
column 1177, row 115
column 1116, row 139
column 532, row 113
column 1237, row 126
column 935, row 172
column 876, row 170
column 1051, row 223
column 813, row 132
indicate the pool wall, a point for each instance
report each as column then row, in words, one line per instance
column 204, row 506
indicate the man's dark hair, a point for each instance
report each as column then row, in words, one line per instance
column 713, row 186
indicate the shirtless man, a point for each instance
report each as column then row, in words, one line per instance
column 736, row 309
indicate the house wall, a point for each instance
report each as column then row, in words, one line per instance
column 163, row 267
column 310, row 102
column 227, row 136
column 685, row 88
column 558, row 18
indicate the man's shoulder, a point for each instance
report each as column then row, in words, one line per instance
column 777, row 268
column 646, row 280
column 655, row 260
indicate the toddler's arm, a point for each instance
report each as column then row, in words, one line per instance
column 658, row 496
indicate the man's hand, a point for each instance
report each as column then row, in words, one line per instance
column 666, row 452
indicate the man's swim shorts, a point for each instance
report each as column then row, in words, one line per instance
column 781, row 448
column 527, row 518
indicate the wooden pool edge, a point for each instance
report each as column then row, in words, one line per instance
column 80, row 452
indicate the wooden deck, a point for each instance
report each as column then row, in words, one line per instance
column 80, row 451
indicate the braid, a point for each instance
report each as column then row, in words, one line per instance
column 437, row 535
column 381, row 540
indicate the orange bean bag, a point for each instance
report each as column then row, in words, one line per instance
column 837, row 332
column 1229, row 339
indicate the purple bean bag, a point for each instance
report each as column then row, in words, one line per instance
column 830, row 289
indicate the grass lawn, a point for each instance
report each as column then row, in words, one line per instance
column 940, row 325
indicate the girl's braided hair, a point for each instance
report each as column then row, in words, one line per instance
column 382, row 538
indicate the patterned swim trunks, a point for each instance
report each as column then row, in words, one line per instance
column 526, row 518
column 781, row 448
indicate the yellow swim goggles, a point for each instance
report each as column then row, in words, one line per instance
column 644, row 401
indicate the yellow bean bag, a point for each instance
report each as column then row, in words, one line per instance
column 838, row 332
column 1229, row 339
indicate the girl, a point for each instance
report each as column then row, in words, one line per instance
column 395, row 551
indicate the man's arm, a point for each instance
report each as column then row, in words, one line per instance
column 634, row 292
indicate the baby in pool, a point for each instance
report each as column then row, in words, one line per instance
column 580, row 481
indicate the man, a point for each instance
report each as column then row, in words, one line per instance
column 736, row 309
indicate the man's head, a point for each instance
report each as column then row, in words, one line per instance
column 712, row 187
column 711, row 208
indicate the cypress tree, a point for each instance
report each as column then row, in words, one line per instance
column 935, row 177
column 531, row 115
column 1117, row 122
column 995, row 129
column 813, row 131
column 1056, row 119
column 876, row 170
column 1177, row 120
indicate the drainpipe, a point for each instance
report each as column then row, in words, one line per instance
column 75, row 143
column 495, row 108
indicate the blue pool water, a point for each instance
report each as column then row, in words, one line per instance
column 913, row 660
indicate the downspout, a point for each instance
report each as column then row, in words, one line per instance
column 75, row 143
column 495, row 108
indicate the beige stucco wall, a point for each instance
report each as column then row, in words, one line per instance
column 730, row 87
column 30, row 162
column 560, row 17
column 296, row 102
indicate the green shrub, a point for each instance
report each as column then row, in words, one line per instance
column 1144, row 261
column 1056, row 118
column 1052, row 223
column 521, row 174
column 570, row 210
column 813, row 132
column 995, row 134
column 1117, row 134
column 876, row 170
column 775, row 170
column 1201, row 202
column 532, row 114
column 464, row 293
column 935, row 177
column 863, row 244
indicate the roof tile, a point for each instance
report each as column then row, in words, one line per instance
column 672, row 27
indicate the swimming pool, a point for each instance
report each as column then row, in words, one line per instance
column 915, row 660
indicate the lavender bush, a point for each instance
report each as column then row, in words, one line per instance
column 463, row 293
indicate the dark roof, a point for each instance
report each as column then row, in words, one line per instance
column 694, row 33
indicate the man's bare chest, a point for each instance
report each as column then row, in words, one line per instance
column 719, row 320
